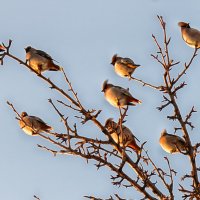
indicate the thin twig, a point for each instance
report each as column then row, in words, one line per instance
column 146, row 84
column 36, row 197
column 186, row 67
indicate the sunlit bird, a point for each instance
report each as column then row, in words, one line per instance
column 40, row 61
column 121, row 135
column 124, row 67
column 118, row 96
column 190, row 35
column 32, row 125
column 172, row 143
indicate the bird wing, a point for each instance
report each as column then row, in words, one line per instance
column 181, row 140
column 34, row 118
column 44, row 54
column 124, row 91
column 178, row 138
column 128, row 132
column 128, row 62
column 193, row 35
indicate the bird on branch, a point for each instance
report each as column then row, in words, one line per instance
column 32, row 125
column 190, row 35
column 118, row 96
column 172, row 143
column 124, row 67
column 40, row 61
column 122, row 135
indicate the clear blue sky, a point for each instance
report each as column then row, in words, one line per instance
column 83, row 36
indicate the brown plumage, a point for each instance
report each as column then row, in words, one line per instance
column 32, row 125
column 172, row 143
column 40, row 61
column 118, row 96
column 124, row 138
column 190, row 35
column 124, row 67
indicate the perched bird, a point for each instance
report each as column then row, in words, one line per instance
column 40, row 61
column 172, row 143
column 124, row 138
column 118, row 96
column 2, row 48
column 32, row 125
column 124, row 67
column 190, row 35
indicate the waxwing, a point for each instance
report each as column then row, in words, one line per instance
column 172, row 143
column 190, row 35
column 32, row 125
column 118, row 96
column 40, row 61
column 124, row 138
column 124, row 67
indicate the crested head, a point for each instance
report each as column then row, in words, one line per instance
column 24, row 114
column 184, row 24
column 114, row 59
column 108, row 121
column 27, row 49
column 164, row 132
column 105, row 85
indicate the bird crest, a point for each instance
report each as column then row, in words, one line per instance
column 104, row 86
column 114, row 59
column 24, row 114
column 164, row 132
column 184, row 24
column 27, row 49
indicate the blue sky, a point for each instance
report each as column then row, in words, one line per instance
column 83, row 36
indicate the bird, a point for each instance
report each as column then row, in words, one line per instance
column 172, row 143
column 118, row 96
column 190, row 35
column 124, row 137
column 40, row 61
column 124, row 67
column 32, row 125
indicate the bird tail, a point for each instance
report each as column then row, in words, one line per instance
column 135, row 147
column 137, row 65
column 48, row 129
column 2, row 48
column 55, row 67
column 135, row 101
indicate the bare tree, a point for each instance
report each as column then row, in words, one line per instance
column 149, row 179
